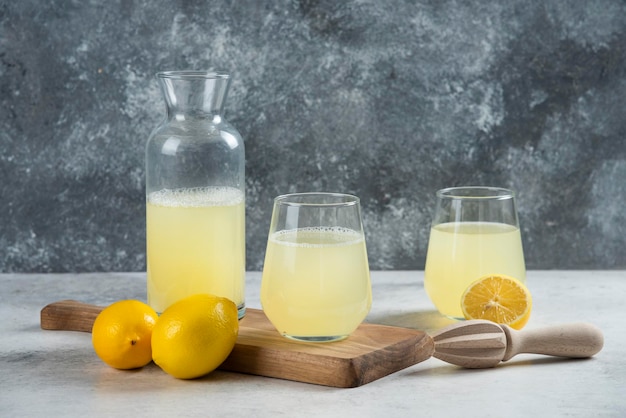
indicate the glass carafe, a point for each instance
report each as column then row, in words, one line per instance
column 195, row 197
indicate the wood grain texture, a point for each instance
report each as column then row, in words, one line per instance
column 575, row 340
column 371, row 352
column 69, row 315
column 474, row 344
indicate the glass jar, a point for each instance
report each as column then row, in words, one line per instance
column 195, row 194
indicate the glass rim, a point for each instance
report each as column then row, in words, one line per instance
column 193, row 74
column 343, row 199
column 475, row 193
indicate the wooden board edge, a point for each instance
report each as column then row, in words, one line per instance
column 403, row 354
column 69, row 315
column 330, row 371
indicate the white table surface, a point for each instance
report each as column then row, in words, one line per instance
column 56, row 373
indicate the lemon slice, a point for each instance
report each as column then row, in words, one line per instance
column 498, row 298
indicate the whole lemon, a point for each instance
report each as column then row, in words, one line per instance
column 195, row 335
column 121, row 334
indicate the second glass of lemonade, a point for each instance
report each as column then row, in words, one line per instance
column 475, row 232
column 316, row 281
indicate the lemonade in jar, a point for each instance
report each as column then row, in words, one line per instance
column 195, row 205
column 195, row 244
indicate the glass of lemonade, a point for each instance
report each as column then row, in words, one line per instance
column 316, row 282
column 475, row 232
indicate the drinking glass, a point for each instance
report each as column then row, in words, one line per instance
column 316, row 282
column 474, row 232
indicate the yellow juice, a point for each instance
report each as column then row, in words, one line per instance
column 195, row 244
column 461, row 252
column 316, row 282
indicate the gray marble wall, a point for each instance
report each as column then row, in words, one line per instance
column 388, row 100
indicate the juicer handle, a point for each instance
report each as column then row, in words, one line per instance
column 576, row 340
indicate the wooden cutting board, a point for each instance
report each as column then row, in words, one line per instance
column 371, row 352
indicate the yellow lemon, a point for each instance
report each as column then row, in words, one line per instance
column 498, row 298
column 195, row 335
column 121, row 334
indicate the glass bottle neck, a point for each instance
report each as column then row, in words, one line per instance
column 194, row 94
